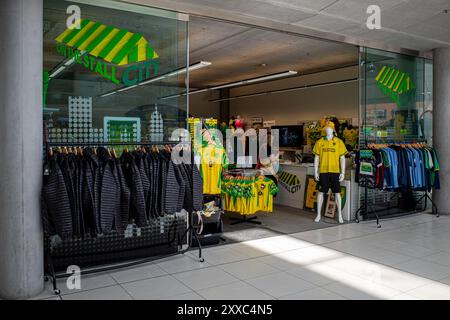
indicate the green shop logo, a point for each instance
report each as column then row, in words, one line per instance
column 106, row 49
column 394, row 83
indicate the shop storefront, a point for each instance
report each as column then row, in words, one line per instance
column 115, row 92
column 113, row 87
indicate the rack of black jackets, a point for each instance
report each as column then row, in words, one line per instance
column 93, row 192
column 398, row 167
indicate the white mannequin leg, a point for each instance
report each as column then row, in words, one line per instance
column 338, row 200
column 319, row 206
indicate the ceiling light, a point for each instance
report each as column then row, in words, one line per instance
column 127, row 88
column 239, row 83
column 254, row 80
column 192, row 67
column 58, row 71
column 318, row 85
column 108, row 94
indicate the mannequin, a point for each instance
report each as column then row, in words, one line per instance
column 329, row 168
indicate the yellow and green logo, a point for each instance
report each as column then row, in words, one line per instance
column 394, row 83
column 102, row 48
column 290, row 182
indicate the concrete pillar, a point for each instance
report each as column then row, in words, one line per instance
column 441, row 124
column 21, row 244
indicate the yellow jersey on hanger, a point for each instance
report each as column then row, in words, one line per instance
column 329, row 152
column 213, row 160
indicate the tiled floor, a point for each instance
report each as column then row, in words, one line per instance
column 408, row 258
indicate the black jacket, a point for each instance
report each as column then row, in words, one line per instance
column 57, row 205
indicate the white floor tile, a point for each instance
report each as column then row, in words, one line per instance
column 185, row 297
column 88, row 282
column 316, row 237
column 302, row 257
column 57, row 298
column 382, row 256
column 411, row 250
column 205, row 278
column 280, row 284
column 234, row 291
column 181, row 264
column 262, row 246
column 356, row 288
column 314, row 294
column 287, row 243
column 445, row 281
column 137, row 273
column 404, row 296
column 434, row 291
column 307, row 273
column 442, row 258
column 222, row 255
column 253, row 250
column 108, row 293
column 248, row 269
column 156, row 288
column 378, row 273
column 425, row 269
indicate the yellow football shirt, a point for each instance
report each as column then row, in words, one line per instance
column 213, row 161
column 329, row 153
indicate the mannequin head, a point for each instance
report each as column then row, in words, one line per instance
column 329, row 131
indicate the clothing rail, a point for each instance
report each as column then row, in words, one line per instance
column 94, row 144
column 189, row 234
column 366, row 209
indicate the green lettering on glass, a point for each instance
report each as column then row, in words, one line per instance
column 105, row 72
column 126, row 78
column 99, row 68
column 113, row 75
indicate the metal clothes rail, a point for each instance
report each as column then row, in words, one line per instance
column 119, row 247
column 367, row 210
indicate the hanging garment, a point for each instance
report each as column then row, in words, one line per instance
column 134, row 181
column 405, row 167
column 57, row 213
column 197, row 188
column 124, row 197
column 213, row 161
column 248, row 196
column 85, row 194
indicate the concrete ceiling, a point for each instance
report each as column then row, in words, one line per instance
column 238, row 52
column 418, row 25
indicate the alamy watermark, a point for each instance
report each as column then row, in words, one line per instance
column 374, row 20
column 74, row 280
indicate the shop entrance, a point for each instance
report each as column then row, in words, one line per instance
column 261, row 79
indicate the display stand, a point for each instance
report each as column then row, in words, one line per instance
column 165, row 237
column 426, row 197
column 367, row 210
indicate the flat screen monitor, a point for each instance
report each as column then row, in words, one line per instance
column 290, row 136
